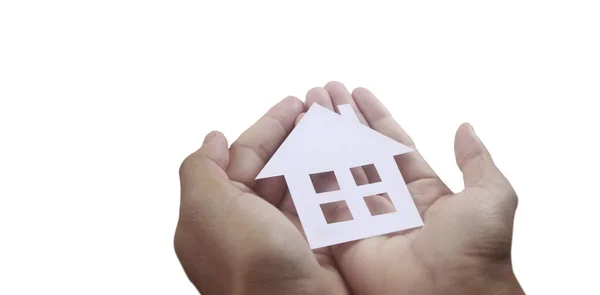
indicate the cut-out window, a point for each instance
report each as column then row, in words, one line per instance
column 380, row 204
column 336, row 212
column 325, row 182
column 365, row 174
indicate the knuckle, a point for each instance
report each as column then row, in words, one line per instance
column 189, row 162
column 509, row 192
column 259, row 150
column 471, row 157
column 184, row 165
column 506, row 196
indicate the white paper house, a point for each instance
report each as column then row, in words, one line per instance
column 325, row 141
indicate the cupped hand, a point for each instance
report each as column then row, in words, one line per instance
column 236, row 235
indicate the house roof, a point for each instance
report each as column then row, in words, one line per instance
column 324, row 140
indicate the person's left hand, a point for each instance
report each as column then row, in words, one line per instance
column 231, row 237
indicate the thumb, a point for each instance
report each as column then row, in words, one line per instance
column 474, row 160
column 212, row 158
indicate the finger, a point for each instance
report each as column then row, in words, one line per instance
column 319, row 96
column 480, row 171
column 412, row 165
column 251, row 151
column 474, row 160
column 205, row 166
column 298, row 119
column 340, row 95
column 212, row 156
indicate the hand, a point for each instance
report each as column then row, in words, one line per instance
column 231, row 237
column 240, row 236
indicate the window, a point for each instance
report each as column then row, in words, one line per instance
column 366, row 174
column 367, row 185
column 336, row 212
column 380, row 204
column 324, row 182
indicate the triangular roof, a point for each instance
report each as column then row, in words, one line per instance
column 324, row 140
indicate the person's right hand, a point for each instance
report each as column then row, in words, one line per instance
column 235, row 236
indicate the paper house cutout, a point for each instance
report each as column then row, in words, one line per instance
column 325, row 141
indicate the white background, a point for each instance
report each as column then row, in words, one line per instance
column 101, row 100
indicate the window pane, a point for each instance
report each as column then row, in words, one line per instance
column 369, row 171
column 336, row 212
column 324, row 182
column 380, row 204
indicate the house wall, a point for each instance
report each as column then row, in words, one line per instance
column 319, row 233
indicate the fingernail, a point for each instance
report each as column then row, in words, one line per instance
column 471, row 128
column 209, row 137
column 473, row 132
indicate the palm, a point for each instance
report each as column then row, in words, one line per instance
column 386, row 263
column 411, row 260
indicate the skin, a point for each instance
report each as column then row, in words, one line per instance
column 236, row 235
